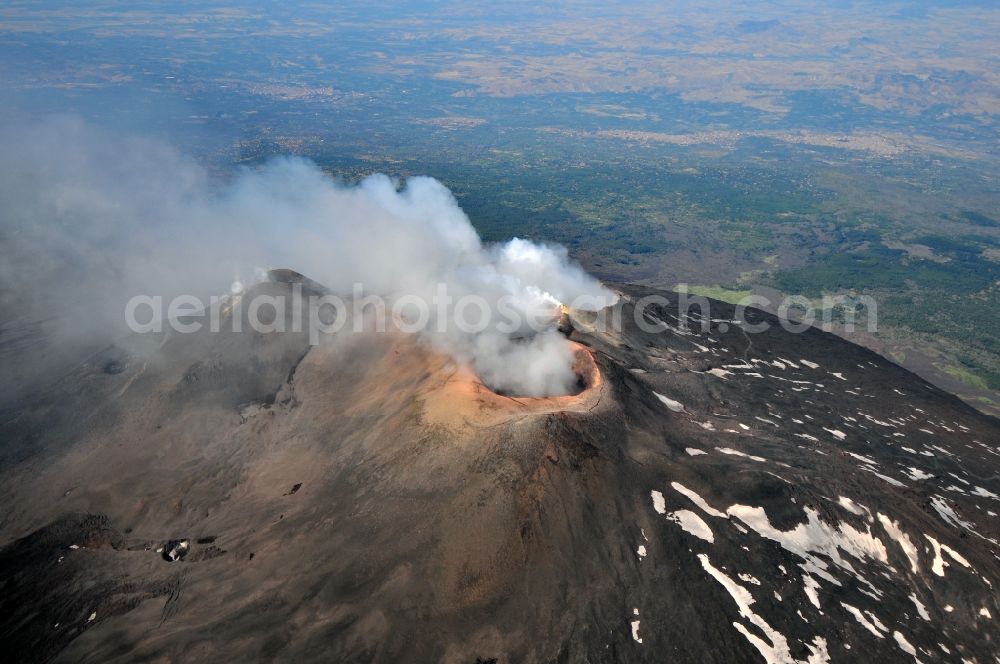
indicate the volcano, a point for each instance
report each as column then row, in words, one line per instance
column 708, row 495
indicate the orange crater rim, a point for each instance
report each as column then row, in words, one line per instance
column 464, row 400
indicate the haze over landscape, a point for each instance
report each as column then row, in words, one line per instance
column 805, row 147
column 614, row 475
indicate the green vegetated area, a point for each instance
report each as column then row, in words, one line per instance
column 966, row 324
column 624, row 212
column 730, row 295
column 878, row 267
column 966, row 376
column 979, row 219
column 953, row 297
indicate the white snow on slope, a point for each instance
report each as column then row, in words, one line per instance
column 692, row 524
column 774, row 647
column 921, row 609
column 815, row 537
column 814, row 541
column 697, row 500
column 659, row 504
column 675, row 406
column 902, row 539
column 864, row 621
column 730, row 451
column 938, row 565
column 905, row 645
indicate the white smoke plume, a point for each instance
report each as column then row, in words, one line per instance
column 92, row 219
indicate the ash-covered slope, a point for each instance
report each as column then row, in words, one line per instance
column 711, row 496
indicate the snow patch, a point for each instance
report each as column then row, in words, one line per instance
column 864, row 621
column 921, row 609
column 697, row 500
column 939, row 563
column 984, row 493
column 901, row 538
column 774, row 647
column 904, row 645
column 917, row 474
column 885, row 478
column 852, row 506
column 811, row 586
column 945, row 511
column 864, row 459
column 635, row 630
column 675, row 406
column 659, row 504
column 692, row 524
column 730, row 451
column 815, row 537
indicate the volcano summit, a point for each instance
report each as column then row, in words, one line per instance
column 708, row 495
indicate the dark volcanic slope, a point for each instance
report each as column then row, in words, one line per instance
column 716, row 497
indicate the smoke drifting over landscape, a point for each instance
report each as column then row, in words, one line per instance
column 90, row 220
